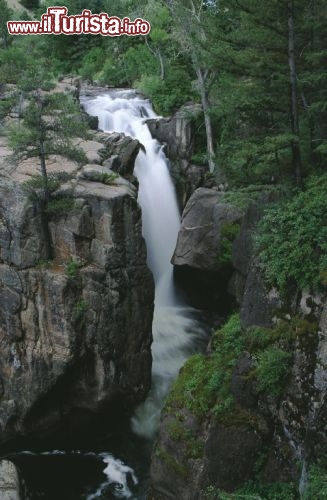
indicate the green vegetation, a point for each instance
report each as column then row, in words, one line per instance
column 292, row 240
column 105, row 177
column 229, row 231
column 60, row 205
column 175, row 466
column 79, row 311
column 272, row 369
column 255, row 491
column 317, row 484
column 72, row 268
column 34, row 186
column 203, row 385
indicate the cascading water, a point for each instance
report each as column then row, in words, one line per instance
column 175, row 330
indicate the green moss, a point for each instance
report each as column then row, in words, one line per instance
column 229, row 231
column 189, row 445
column 177, row 467
column 259, row 338
column 105, row 177
column 203, row 385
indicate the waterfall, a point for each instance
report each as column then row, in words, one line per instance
column 176, row 332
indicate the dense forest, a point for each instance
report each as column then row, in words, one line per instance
column 258, row 72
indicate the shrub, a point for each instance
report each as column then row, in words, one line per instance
column 272, row 370
column 229, row 231
column 292, row 241
column 60, row 205
column 79, row 311
column 317, row 484
column 203, row 383
column 37, row 183
column 72, row 268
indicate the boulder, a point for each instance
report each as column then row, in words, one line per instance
column 200, row 235
column 119, row 153
column 10, row 483
column 202, row 257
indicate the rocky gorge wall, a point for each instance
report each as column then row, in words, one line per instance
column 75, row 331
column 254, row 406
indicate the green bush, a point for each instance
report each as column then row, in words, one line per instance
column 272, row 370
column 60, row 205
column 292, row 241
column 229, row 232
column 79, row 311
column 72, row 268
column 169, row 94
column 317, row 484
column 37, row 183
column 203, row 383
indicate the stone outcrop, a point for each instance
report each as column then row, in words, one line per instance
column 202, row 256
column 179, row 134
column 11, row 487
column 75, row 331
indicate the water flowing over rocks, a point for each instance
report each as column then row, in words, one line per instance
column 76, row 330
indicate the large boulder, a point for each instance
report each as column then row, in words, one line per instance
column 202, row 256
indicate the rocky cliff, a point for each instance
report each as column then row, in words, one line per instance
column 253, row 408
column 75, row 331
column 180, row 134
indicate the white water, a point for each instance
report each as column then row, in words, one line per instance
column 175, row 331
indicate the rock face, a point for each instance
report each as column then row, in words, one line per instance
column 202, row 256
column 10, row 484
column 75, row 332
column 179, row 135
column 274, row 434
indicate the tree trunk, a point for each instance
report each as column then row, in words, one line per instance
column 296, row 153
column 207, row 119
column 162, row 67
